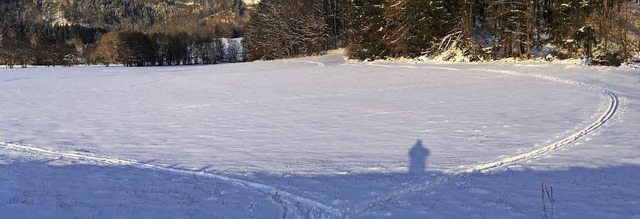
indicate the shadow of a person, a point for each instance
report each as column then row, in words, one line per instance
column 418, row 158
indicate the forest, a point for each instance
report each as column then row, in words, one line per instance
column 174, row 32
column 607, row 32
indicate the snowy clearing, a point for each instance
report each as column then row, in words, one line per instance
column 320, row 138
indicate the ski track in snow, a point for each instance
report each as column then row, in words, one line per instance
column 297, row 206
column 279, row 196
column 614, row 102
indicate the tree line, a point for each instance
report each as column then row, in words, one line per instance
column 606, row 31
column 139, row 49
column 64, row 46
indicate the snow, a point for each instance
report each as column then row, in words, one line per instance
column 320, row 137
column 251, row 2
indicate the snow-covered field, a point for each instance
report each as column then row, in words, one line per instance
column 321, row 138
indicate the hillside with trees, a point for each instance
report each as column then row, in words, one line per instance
column 149, row 32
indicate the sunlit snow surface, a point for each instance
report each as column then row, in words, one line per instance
column 316, row 137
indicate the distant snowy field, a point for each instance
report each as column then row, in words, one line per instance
column 320, row 138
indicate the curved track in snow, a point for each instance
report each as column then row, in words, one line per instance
column 279, row 196
column 451, row 176
column 613, row 108
column 297, row 206
column 613, row 105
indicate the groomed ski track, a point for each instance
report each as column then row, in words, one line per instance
column 613, row 105
column 294, row 206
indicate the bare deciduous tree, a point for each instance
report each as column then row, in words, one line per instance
column 286, row 28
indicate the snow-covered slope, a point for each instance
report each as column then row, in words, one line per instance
column 320, row 137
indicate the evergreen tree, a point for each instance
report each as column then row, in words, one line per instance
column 508, row 24
column 367, row 25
